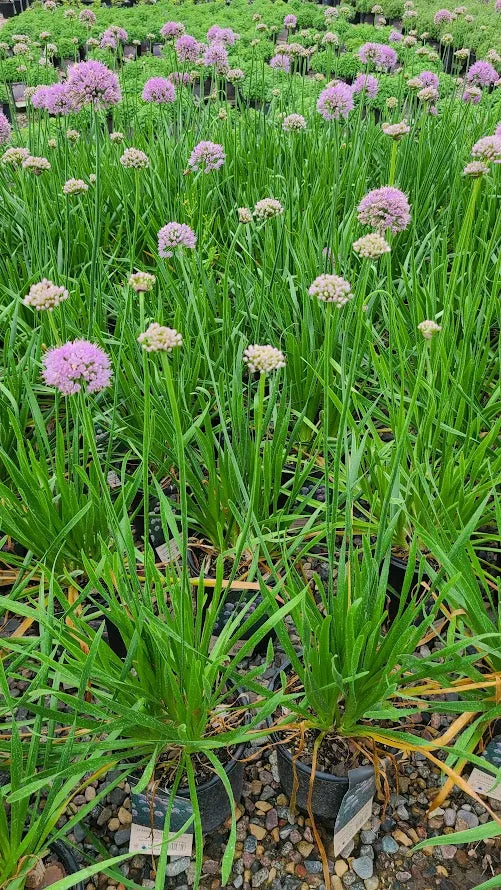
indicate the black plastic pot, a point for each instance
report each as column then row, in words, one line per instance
column 8, row 10
column 328, row 790
column 212, row 798
column 66, row 857
column 235, row 600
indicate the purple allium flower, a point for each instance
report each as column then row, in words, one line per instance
column 281, row 63
column 472, row 95
column 244, row 215
column 175, row 235
column 45, row 295
column 93, row 83
column 235, row 75
column 181, row 78
column 428, row 94
column 158, row 338
column 226, row 36
column 108, row 41
column 429, row 79
column 335, row 102
column 159, row 90
column 367, row 83
column 382, row 57
column 75, row 364
column 293, row 122
column 330, row 39
column 482, row 74
column 172, row 30
column 497, row 6
column 55, row 99
column 290, row 21
column 488, row 149
column 119, row 32
column 331, row 289
column 5, row 129
column 443, row 15
column 385, row 208
column 263, row 358
column 87, row 17
column 395, row 36
column 207, row 156
column 187, row 48
column 216, row 55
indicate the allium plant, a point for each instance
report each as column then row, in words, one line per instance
column 383, row 57
column 159, row 90
column 75, row 366
column 172, row 30
column 5, row 129
column 206, row 157
column 385, row 208
column 336, row 102
column 366, row 83
column 92, row 83
column 45, row 295
column 174, row 236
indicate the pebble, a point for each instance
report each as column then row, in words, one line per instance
column 176, row 867
column 448, row 851
column 90, row 793
column 403, row 876
column 125, row 816
column 368, row 837
column 340, row 867
column 313, row 866
column 257, row 830
column 465, row 820
column 260, row 877
column 402, row 838
column 371, row 883
column 211, row 867
column 250, row 844
column 122, row 837
column 363, row 867
column 389, row 844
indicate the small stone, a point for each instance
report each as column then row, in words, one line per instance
column 363, row 867
column 340, row 867
column 176, row 866
column 125, row 816
column 122, row 837
column 465, row 820
column 250, row 844
column 348, row 850
column 271, row 819
column 305, row 849
column 449, row 817
column 403, row 876
column 313, row 866
column 114, row 824
column 371, row 883
column 258, row 831
column 210, row 867
column 104, row 816
column 403, row 813
column 336, row 883
column 90, row 793
column 389, row 844
column 260, row 877
column 402, row 838
column 79, row 831
column 263, row 806
column 448, row 851
column 368, row 836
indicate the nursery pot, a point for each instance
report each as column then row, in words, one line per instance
column 237, row 599
column 328, row 790
column 212, row 798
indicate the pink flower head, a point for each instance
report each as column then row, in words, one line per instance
column 55, row 99
column 216, row 55
column 472, row 95
column 488, row 149
column 187, row 48
column 331, row 289
column 87, row 17
column 335, row 102
column 281, row 63
column 497, row 7
column 159, row 90
column 383, row 57
column 395, row 36
column 482, row 74
column 429, row 79
column 290, row 21
column 443, row 15
column 175, row 235
column 207, row 156
column 497, row 131
column 385, row 208
column 182, row 78
column 5, row 129
column 226, row 36
column 366, row 83
column 172, row 30
column 75, row 364
column 108, row 40
column 92, row 83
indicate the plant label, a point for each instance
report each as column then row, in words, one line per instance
column 488, row 783
column 356, row 806
column 149, row 810
column 168, row 552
